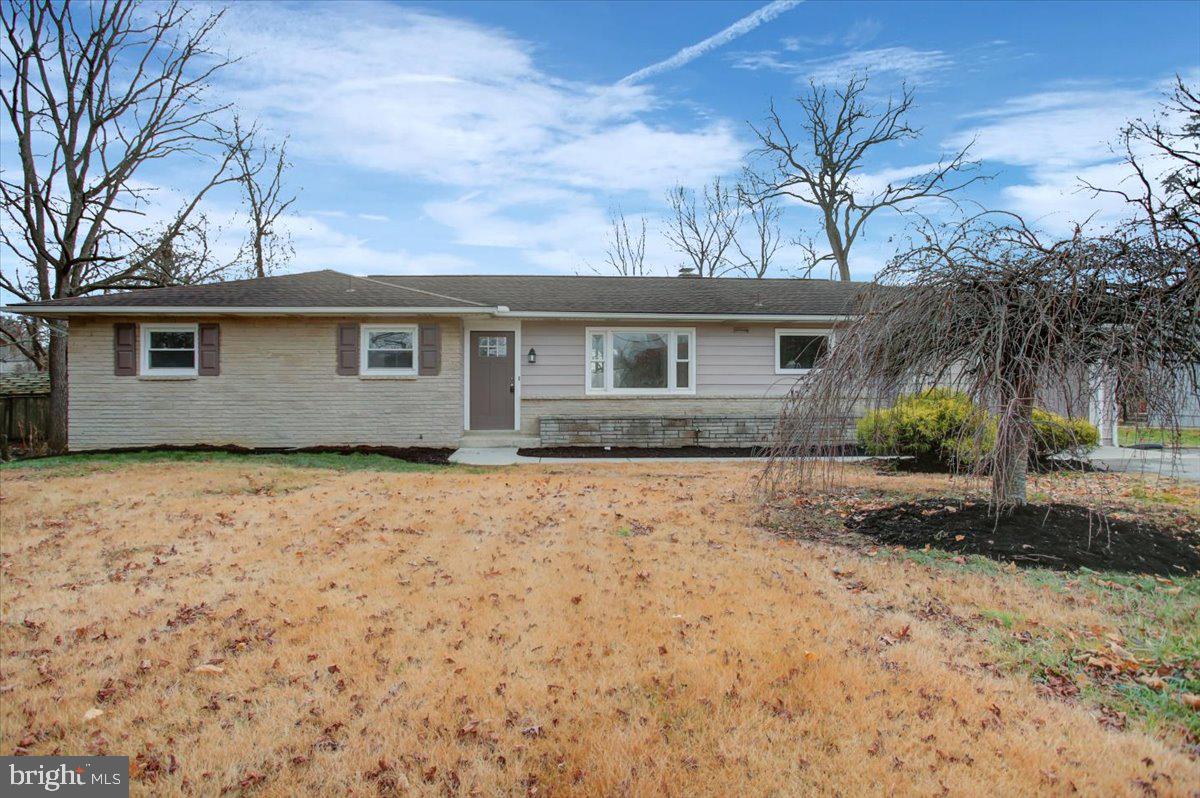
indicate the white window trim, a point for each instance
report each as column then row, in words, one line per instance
column 810, row 331
column 365, row 337
column 144, row 346
column 672, row 359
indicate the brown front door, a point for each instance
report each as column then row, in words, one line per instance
column 493, row 380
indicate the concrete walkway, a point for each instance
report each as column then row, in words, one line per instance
column 1183, row 463
column 504, row 456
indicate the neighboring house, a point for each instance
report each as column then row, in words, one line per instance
column 24, row 408
column 13, row 360
column 328, row 359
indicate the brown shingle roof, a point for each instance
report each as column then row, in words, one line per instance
column 526, row 293
column 28, row 383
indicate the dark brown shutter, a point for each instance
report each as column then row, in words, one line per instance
column 210, row 350
column 347, row 349
column 430, row 362
column 125, row 350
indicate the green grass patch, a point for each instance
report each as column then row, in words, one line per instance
column 1156, row 621
column 82, row 464
column 1188, row 436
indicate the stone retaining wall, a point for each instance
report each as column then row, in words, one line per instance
column 657, row 431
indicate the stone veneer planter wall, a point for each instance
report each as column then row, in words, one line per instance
column 657, row 431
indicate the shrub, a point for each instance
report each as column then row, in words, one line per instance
column 942, row 428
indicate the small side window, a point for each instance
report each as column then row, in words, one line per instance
column 798, row 352
column 389, row 349
column 169, row 349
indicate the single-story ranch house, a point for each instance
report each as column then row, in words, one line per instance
column 329, row 359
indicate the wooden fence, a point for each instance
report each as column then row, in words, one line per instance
column 24, row 417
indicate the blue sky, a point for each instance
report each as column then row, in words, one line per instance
column 494, row 137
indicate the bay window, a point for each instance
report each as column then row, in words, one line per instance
column 640, row 360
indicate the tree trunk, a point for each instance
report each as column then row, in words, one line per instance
column 1014, row 434
column 57, row 435
column 840, row 256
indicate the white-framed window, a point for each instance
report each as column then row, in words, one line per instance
column 169, row 350
column 799, row 351
column 640, row 360
column 388, row 349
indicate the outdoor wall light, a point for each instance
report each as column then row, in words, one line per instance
column 532, row 355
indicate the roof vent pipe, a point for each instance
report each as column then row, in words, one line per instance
column 687, row 271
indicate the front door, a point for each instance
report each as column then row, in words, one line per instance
column 493, row 380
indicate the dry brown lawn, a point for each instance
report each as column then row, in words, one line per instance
column 556, row 630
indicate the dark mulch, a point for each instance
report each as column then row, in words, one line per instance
column 647, row 451
column 1058, row 536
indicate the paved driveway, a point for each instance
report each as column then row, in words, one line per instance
column 1167, row 462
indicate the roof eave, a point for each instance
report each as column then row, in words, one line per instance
column 761, row 317
column 500, row 311
column 55, row 311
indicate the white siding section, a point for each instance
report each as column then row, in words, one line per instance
column 278, row 387
column 734, row 361
column 735, row 374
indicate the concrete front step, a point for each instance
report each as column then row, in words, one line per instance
column 498, row 440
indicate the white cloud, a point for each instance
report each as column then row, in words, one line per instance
column 434, row 98
column 321, row 246
column 692, row 52
column 639, row 157
column 424, row 99
column 1055, row 129
column 906, row 63
column 1062, row 138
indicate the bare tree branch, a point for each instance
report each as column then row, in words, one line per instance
column 759, row 254
column 96, row 92
column 703, row 230
column 625, row 252
column 823, row 168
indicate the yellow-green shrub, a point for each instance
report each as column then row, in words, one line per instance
column 941, row 427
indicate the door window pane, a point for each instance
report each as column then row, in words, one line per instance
column 639, row 360
column 493, row 346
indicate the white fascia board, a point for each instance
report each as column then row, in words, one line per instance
column 498, row 311
column 546, row 314
column 194, row 310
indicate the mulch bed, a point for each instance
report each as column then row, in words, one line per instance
column 635, row 451
column 1058, row 536
column 646, row 451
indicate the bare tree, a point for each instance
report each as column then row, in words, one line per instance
column 823, row 164
column 95, row 93
column 704, row 229
column 625, row 252
column 260, row 173
column 759, row 253
column 990, row 308
column 1163, row 187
